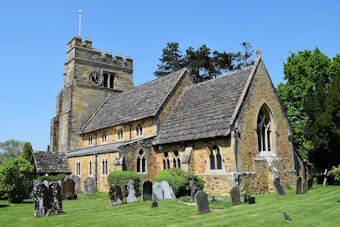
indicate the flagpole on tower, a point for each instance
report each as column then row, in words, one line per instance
column 79, row 12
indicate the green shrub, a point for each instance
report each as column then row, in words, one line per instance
column 15, row 176
column 27, row 151
column 60, row 176
column 119, row 177
column 335, row 172
column 178, row 180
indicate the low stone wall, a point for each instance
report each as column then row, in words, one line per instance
column 217, row 184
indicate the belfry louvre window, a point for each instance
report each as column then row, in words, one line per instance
column 90, row 140
column 139, row 130
column 109, row 80
column 215, row 158
column 78, row 168
column 120, row 134
column 264, row 130
column 141, row 162
column 177, row 160
column 104, row 167
column 166, row 161
column 104, row 138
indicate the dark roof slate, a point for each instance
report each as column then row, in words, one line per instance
column 204, row 109
column 50, row 162
column 138, row 103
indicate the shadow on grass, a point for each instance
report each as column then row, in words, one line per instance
column 338, row 201
column 3, row 205
column 25, row 202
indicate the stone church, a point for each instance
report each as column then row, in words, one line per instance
column 225, row 130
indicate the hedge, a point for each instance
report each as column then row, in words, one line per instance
column 120, row 177
column 60, row 176
column 178, row 180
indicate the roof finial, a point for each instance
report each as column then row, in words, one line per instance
column 258, row 52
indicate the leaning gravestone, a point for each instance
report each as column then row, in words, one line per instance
column 115, row 193
column 76, row 180
column 47, row 199
column 158, row 193
column 298, row 189
column 201, row 200
column 235, row 196
column 278, row 187
column 147, row 191
column 130, row 192
column 168, row 193
column 193, row 189
column 89, row 186
column 67, row 188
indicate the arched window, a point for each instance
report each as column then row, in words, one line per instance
column 264, row 130
column 104, row 167
column 78, row 168
column 141, row 162
column 215, row 158
column 166, row 161
column 106, row 84
column 90, row 168
column 90, row 140
column 177, row 160
column 104, row 138
column 111, row 80
column 120, row 134
column 139, row 130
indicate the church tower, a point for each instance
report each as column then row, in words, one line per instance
column 89, row 77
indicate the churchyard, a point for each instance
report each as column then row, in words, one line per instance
column 318, row 207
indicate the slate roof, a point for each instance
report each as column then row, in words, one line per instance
column 205, row 109
column 50, row 162
column 138, row 103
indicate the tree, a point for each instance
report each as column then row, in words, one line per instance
column 15, row 176
column 27, row 151
column 10, row 149
column 243, row 59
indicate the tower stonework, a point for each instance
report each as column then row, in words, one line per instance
column 89, row 78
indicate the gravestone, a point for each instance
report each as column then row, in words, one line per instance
column 147, row 191
column 310, row 183
column 168, row 193
column 193, row 189
column 158, row 193
column 76, row 180
column 115, row 193
column 130, row 192
column 298, row 189
column 325, row 183
column 67, row 188
column 201, row 200
column 47, row 199
column 89, row 186
column 304, row 187
column 278, row 188
column 235, row 196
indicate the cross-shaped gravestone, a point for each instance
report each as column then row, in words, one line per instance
column 193, row 188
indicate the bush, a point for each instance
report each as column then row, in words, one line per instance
column 178, row 180
column 119, row 177
column 15, row 176
column 60, row 176
column 335, row 172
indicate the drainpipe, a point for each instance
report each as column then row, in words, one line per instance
column 95, row 169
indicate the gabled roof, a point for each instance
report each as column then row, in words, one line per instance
column 138, row 103
column 50, row 162
column 207, row 109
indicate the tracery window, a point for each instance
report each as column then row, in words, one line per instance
column 215, row 158
column 166, row 161
column 139, row 130
column 176, row 160
column 78, row 168
column 104, row 138
column 104, row 166
column 264, row 130
column 141, row 162
column 120, row 134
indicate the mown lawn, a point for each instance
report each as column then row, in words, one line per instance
column 319, row 207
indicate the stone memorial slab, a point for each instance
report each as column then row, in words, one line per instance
column 76, row 180
column 67, row 188
column 201, row 199
column 47, row 199
column 158, row 193
column 168, row 193
column 298, row 189
column 89, row 186
column 130, row 192
column 235, row 196
column 115, row 193
column 278, row 188
column 193, row 189
column 147, row 191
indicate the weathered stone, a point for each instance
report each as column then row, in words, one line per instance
column 298, row 189
column 115, row 193
column 168, row 193
column 76, row 180
column 235, row 196
column 47, row 199
column 89, row 186
column 147, row 191
column 193, row 189
column 325, row 182
column 130, row 192
column 67, row 188
column 304, row 187
column 201, row 199
column 158, row 192
column 278, row 187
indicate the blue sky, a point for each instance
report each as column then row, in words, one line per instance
column 34, row 35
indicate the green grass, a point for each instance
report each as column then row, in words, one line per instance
column 319, row 207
